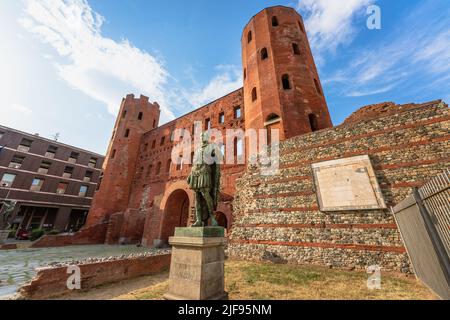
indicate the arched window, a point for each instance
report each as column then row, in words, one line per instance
column 313, row 122
column 286, row 82
column 316, row 83
column 158, row 169
column 249, row 37
column 274, row 21
column 296, row 48
column 264, row 54
column 254, row 95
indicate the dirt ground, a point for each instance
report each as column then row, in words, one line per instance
column 262, row 281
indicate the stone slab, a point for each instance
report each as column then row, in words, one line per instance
column 206, row 232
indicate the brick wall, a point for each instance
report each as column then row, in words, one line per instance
column 277, row 217
column 52, row 282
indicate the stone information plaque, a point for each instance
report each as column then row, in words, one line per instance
column 347, row 184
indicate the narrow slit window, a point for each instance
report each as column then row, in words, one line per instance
column 127, row 133
column 264, row 54
column 249, row 37
column 286, row 82
column 140, row 116
column 254, row 94
column 296, row 49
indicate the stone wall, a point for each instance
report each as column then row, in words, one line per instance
column 277, row 217
column 52, row 282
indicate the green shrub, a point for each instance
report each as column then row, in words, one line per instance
column 12, row 233
column 36, row 234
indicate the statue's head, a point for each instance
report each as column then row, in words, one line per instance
column 205, row 138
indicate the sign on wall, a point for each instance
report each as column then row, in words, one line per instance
column 347, row 184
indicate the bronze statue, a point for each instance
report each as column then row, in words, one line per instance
column 204, row 180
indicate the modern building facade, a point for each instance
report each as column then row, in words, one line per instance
column 53, row 183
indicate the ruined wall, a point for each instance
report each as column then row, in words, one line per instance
column 277, row 217
column 52, row 282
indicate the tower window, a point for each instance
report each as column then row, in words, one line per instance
column 286, row 82
column 154, row 144
column 169, row 164
column 113, row 154
column 154, row 123
column 316, row 83
column 124, row 113
column 295, row 48
column 245, row 73
column 254, row 95
column 158, row 168
column 264, row 54
column 249, row 37
column 313, row 122
column 221, row 117
column 207, row 124
column 274, row 21
column 140, row 116
column 127, row 133
column 163, row 140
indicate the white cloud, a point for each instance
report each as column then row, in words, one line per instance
column 100, row 67
column 15, row 109
column 227, row 80
column 416, row 52
column 330, row 23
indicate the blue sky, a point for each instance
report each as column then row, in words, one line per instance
column 66, row 64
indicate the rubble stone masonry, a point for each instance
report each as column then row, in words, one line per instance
column 277, row 217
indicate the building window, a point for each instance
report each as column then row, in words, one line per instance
column 124, row 114
column 274, row 21
column 245, row 73
column 88, row 176
column 51, row 152
column 207, row 124
column 25, row 145
column 113, row 154
column 7, row 180
column 249, row 37
column 168, row 165
column 140, row 116
column 16, row 162
column 254, row 95
column 313, row 122
column 149, row 170
column 296, row 49
column 237, row 113
column 300, row 25
column 68, row 171
column 264, row 54
column 286, row 82
column 83, row 191
column 154, row 123
column 154, row 144
column 62, row 188
column 44, row 167
column 36, row 185
column 221, row 117
column 127, row 133
column 74, row 157
column 163, row 140
column 316, row 83
column 180, row 164
column 158, row 168
column 92, row 163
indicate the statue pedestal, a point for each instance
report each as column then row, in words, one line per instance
column 197, row 265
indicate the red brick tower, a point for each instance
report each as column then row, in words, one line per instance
column 136, row 116
column 281, row 85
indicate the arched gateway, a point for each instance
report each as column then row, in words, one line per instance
column 176, row 213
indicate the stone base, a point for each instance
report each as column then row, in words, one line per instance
column 197, row 265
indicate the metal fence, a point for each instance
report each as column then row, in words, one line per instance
column 424, row 223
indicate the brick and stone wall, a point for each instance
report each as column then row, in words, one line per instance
column 52, row 282
column 277, row 217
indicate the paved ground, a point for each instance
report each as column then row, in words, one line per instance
column 18, row 266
